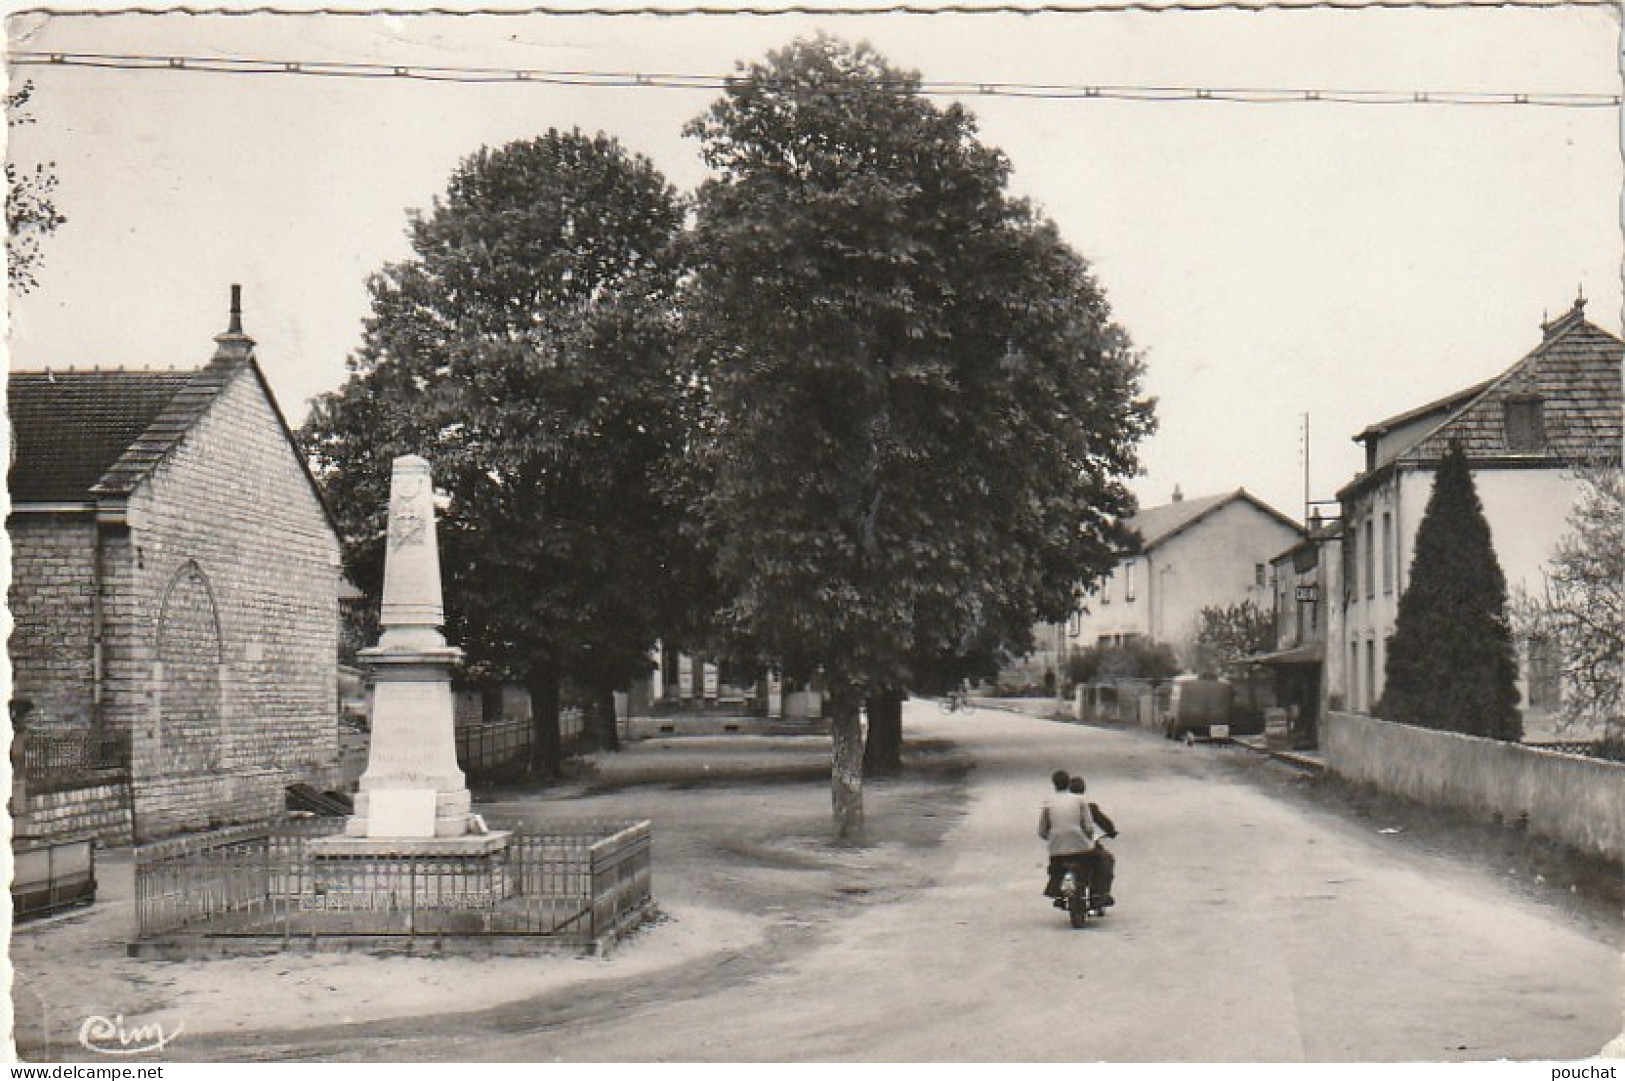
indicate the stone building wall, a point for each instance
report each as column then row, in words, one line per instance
column 1219, row 563
column 229, row 635
column 102, row 810
column 52, row 606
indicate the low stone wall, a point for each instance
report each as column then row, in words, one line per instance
column 101, row 810
column 168, row 805
column 1580, row 801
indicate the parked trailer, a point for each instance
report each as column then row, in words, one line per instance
column 1199, row 707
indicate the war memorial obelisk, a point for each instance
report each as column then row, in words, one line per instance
column 413, row 801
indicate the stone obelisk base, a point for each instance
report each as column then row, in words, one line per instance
column 413, row 788
column 466, row 873
column 413, row 842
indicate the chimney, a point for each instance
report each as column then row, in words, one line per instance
column 234, row 344
column 1179, row 496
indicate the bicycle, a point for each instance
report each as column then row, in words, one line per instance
column 954, row 702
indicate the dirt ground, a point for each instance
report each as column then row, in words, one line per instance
column 743, row 867
column 1585, row 886
column 765, row 921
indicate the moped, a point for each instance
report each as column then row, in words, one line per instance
column 1075, row 896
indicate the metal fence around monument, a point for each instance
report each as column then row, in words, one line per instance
column 488, row 749
column 492, row 746
column 577, row 883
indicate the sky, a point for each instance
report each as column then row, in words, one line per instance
column 1271, row 261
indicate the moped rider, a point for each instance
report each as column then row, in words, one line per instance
column 1066, row 826
column 1102, row 864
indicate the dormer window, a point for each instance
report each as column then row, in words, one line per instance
column 1525, row 425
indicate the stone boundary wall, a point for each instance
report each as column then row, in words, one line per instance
column 100, row 810
column 1579, row 801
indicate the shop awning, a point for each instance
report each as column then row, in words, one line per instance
column 1312, row 653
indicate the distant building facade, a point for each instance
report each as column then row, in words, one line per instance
column 1524, row 433
column 1190, row 554
column 1308, row 615
column 175, row 580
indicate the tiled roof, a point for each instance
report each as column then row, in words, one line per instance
column 86, row 435
column 1157, row 524
column 1576, row 375
column 1448, row 404
column 1153, row 524
column 68, row 428
column 170, row 426
column 1316, row 536
column 79, row 436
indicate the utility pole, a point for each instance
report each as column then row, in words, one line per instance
column 1305, row 438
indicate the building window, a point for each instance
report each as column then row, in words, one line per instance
column 1387, row 553
column 1106, row 588
column 1370, row 562
column 1351, row 564
column 1354, row 676
column 1525, row 425
column 1283, row 600
column 1258, row 574
column 1543, row 674
column 1128, row 581
column 1371, row 676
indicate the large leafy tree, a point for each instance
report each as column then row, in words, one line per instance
column 920, row 416
column 31, row 213
column 1226, row 634
column 1581, row 612
column 525, row 350
column 1450, row 661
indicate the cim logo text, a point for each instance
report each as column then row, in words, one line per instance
column 115, row 1036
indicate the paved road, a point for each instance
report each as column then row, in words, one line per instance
column 1248, row 929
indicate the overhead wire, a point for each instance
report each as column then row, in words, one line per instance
column 330, row 69
column 1100, row 7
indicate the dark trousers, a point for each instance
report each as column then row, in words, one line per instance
column 1104, row 866
column 1098, row 868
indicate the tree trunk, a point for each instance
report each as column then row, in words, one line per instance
column 883, row 749
column 603, row 708
column 846, row 773
column 546, row 746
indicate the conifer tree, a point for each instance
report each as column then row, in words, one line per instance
column 1450, row 662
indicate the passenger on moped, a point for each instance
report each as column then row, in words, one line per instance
column 1065, row 826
